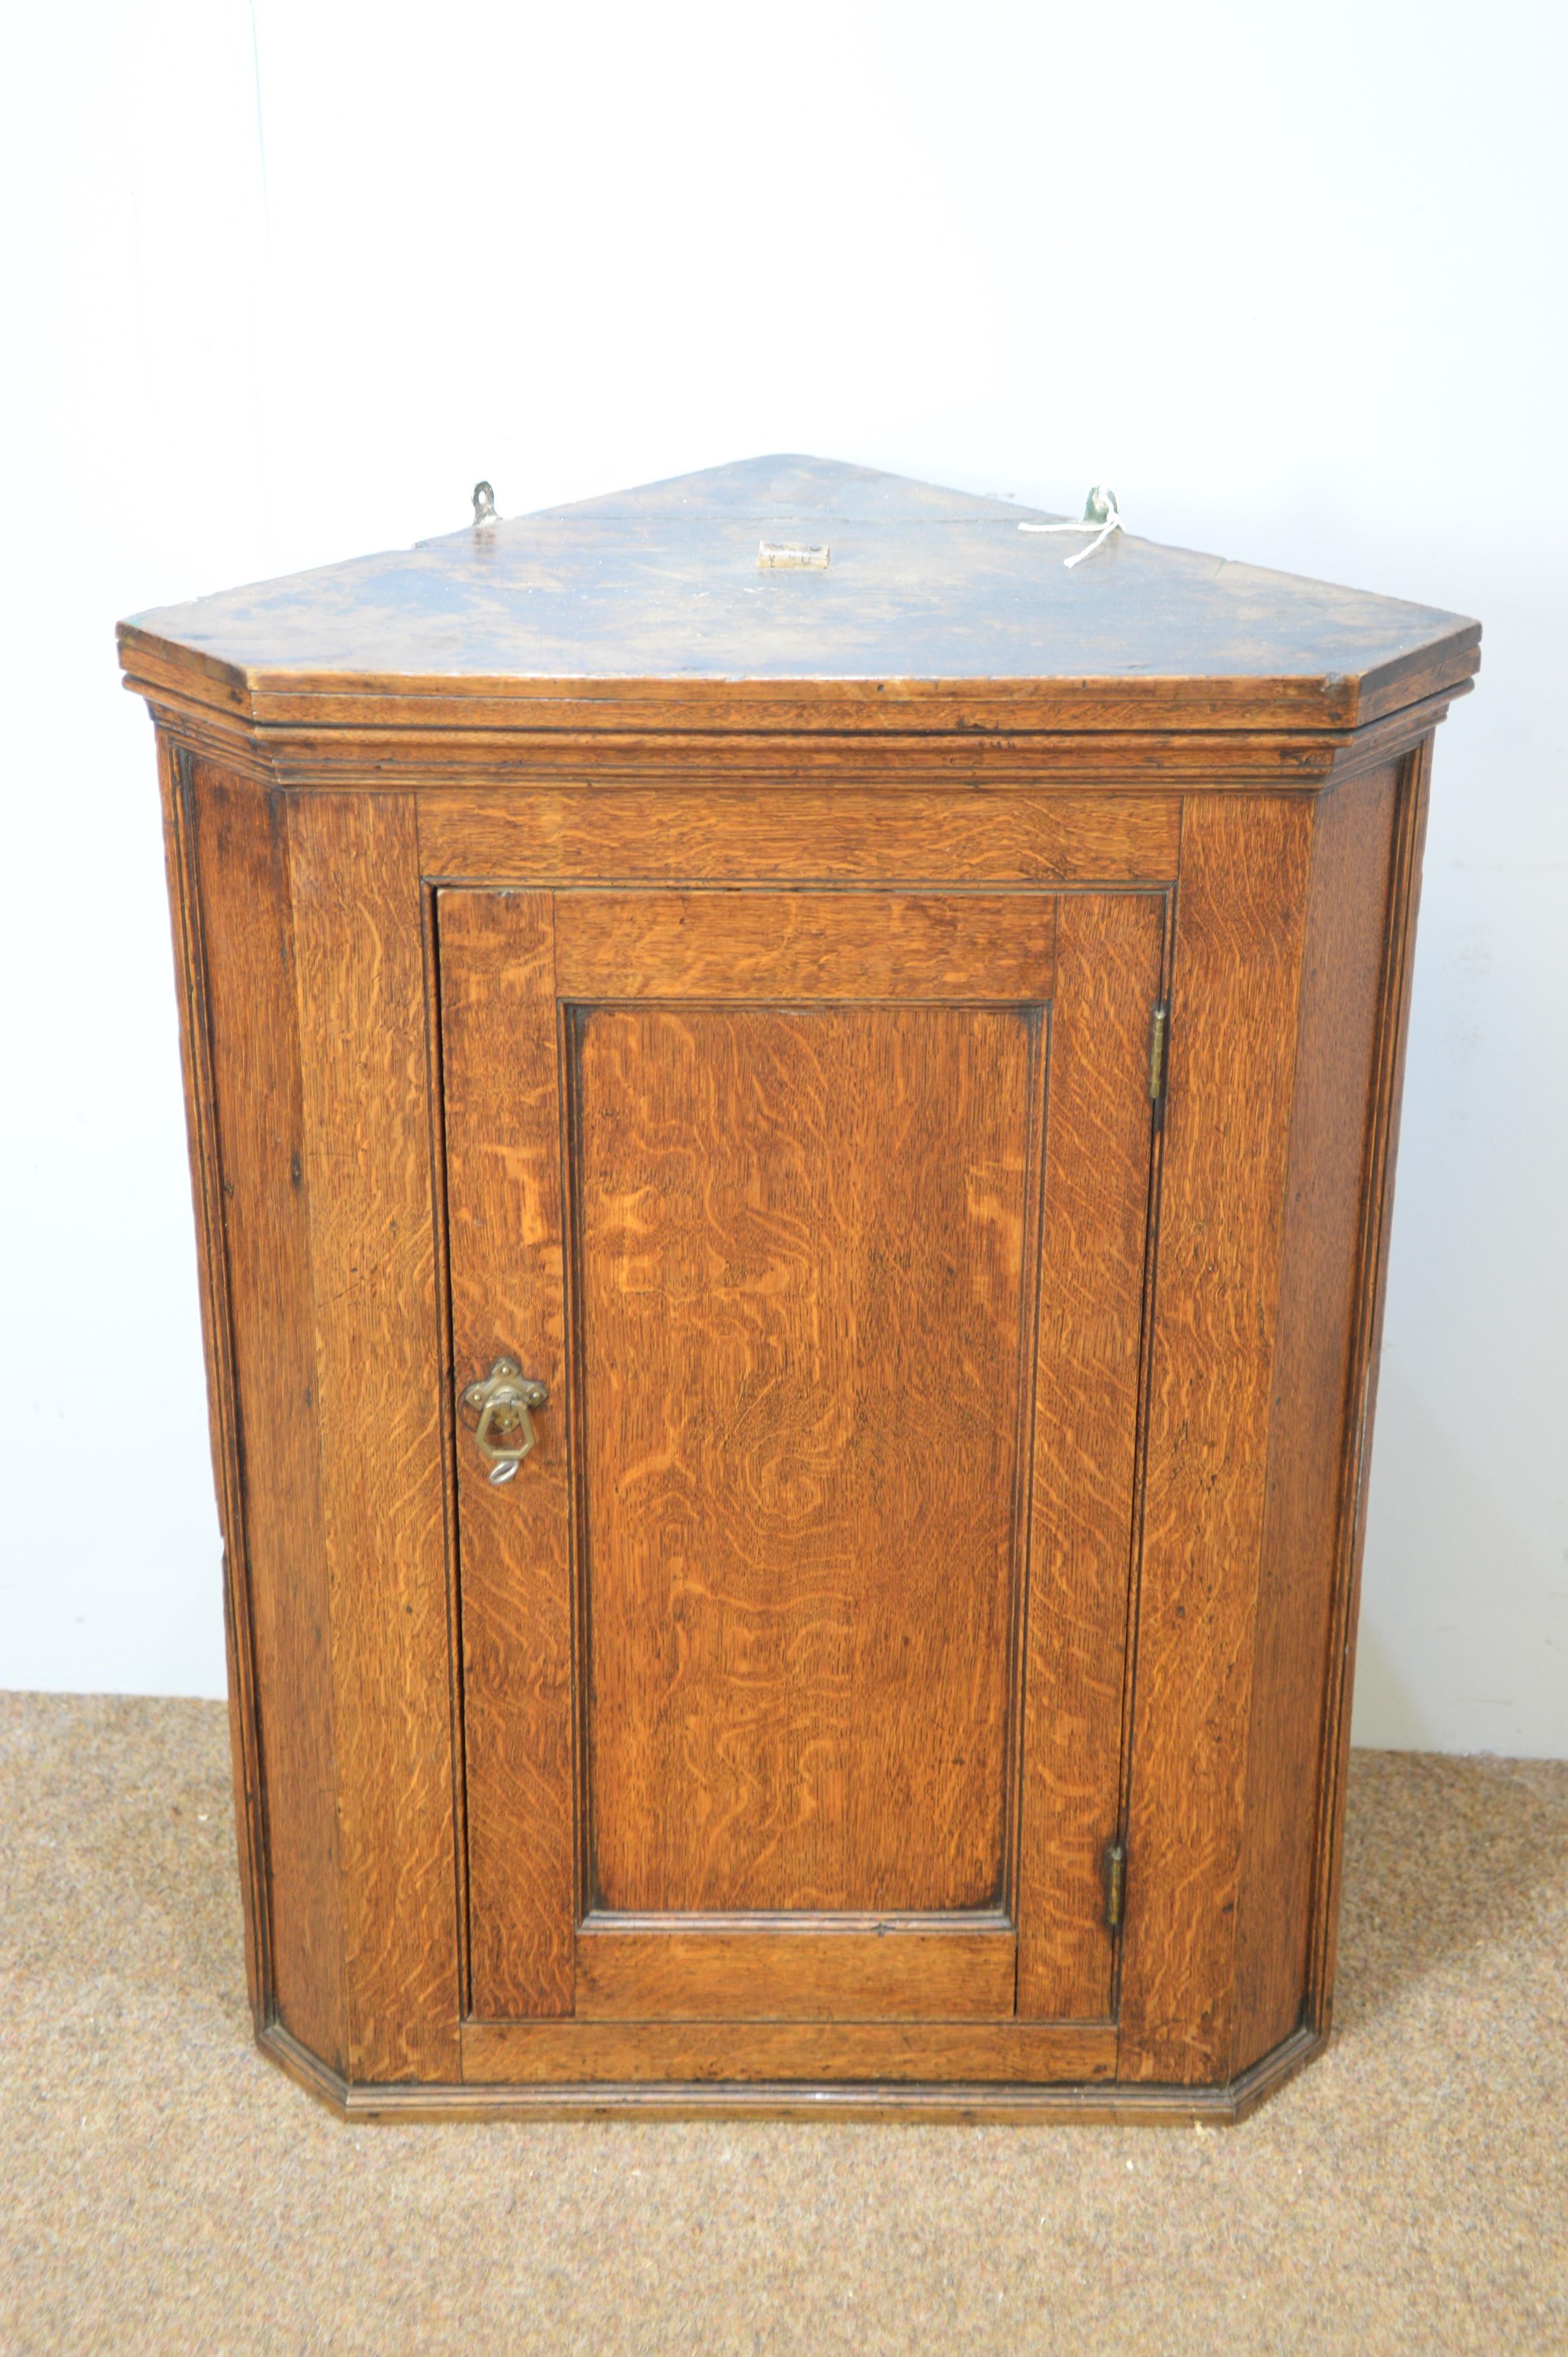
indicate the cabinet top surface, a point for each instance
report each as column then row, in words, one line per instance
column 924, row 589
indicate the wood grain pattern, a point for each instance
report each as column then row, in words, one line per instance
column 826, row 2053
column 1239, row 918
column 731, row 943
column 216, row 1334
column 358, row 978
column 796, row 1974
column 538, row 834
column 242, row 864
column 809, row 715
column 744, row 943
column 503, row 1113
column 1098, row 1135
column 1089, row 2101
column 1105, row 754
column 936, row 612
column 800, row 1251
column 1410, row 838
column 1342, row 989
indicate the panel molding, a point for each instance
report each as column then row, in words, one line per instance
column 646, row 1416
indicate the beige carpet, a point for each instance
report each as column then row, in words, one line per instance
column 162, row 2188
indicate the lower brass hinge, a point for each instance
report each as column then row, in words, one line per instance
column 1159, row 1024
column 1115, row 1884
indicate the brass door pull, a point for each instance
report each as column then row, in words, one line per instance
column 504, row 1434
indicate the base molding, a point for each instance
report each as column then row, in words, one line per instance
column 1091, row 2104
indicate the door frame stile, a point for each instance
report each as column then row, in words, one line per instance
column 1032, row 1278
column 430, row 942
column 569, row 1111
column 1141, row 1446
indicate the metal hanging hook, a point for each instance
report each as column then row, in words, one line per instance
column 1101, row 516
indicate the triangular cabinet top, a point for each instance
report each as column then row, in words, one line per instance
column 932, row 610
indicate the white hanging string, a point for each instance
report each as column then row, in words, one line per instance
column 1101, row 516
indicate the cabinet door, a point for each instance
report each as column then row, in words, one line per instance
column 793, row 1652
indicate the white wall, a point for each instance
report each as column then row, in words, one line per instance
column 284, row 284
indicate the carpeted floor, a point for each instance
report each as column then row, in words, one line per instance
column 164, row 2190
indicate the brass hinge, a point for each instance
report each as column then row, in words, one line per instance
column 1115, row 1884
column 1159, row 1024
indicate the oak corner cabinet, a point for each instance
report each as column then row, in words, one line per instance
column 792, row 1104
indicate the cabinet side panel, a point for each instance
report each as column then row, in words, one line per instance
column 359, row 977
column 1098, row 1132
column 202, row 1131
column 1341, row 987
column 1241, row 908
column 242, row 868
column 1410, row 838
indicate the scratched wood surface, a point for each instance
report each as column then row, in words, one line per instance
column 242, row 864
column 801, row 1254
column 1341, row 992
column 1237, row 964
column 365, row 1097
column 502, row 1102
column 654, row 598
column 545, row 2052
column 1099, row 1137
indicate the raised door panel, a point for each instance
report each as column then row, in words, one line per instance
column 752, row 1180
column 801, row 1248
